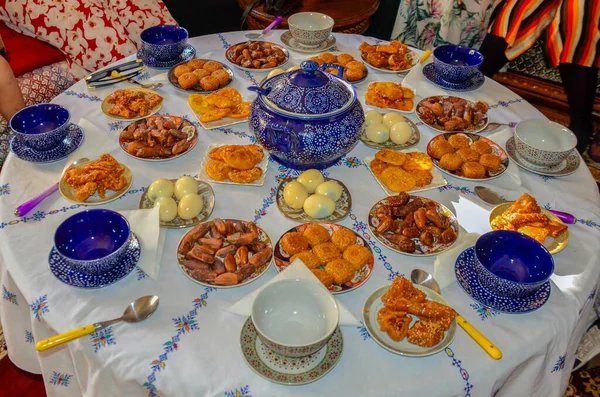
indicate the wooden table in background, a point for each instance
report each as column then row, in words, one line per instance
column 351, row 16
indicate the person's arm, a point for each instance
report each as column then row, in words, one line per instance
column 11, row 99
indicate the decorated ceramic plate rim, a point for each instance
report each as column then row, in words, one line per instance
column 253, row 70
column 105, row 105
column 413, row 55
column 572, row 161
column 286, row 37
column 336, row 53
column 175, row 83
column 331, row 357
column 75, row 131
column 224, row 122
column 439, row 248
column 282, row 263
column 558, row 244
column 184, row 123
column 372, row 306
column 530, row 303
column 67, row 191
column 204, row 190
column 469, row 85
column 303, row 217
column 437, row 181
column 263, row 165
column 262, row 235
column 415, row 137
column 189, row 52
column 440, row 97
column 497, row 150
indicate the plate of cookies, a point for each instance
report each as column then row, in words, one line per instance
column 354, row 71
column 410, row 172
column 234, row 164
column 336, row 255
column 467, row 156
column 200, row 75
column 220, row 108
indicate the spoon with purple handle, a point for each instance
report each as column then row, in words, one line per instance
column 257, row 36
column 27, row 206
column 491, row 197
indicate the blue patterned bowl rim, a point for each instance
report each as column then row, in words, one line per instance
column 40, row 106
column 173, row 28
column 453, row 48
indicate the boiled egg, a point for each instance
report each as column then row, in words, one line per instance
column 317, row 206
column 311, row 179
column 400, row 133
column 392, row 118
column 160, row 188
column 378, row 133
column 292, row 68
column 373, row 117
column 275, row 72
column 167, row 209
column 331, row 189
column 190, row 206
column 294, row 194
column 185, row 185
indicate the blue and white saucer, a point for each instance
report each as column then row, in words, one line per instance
column 71, row 142
column 431, row 73
column 65, row 273
column 467, row 279
column 188, row 53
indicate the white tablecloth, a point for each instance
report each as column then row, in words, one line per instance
column 190, row 346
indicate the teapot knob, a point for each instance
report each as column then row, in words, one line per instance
column 309, row 66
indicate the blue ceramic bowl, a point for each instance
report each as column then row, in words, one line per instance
column 511, row 264
column 164, row 42
column 93, row 241
column 41, row 127
column 456, row 63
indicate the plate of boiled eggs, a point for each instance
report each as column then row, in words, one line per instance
column 183, row 202
column 312, row 197
column 389, row 131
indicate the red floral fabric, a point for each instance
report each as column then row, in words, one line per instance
column 92, row 33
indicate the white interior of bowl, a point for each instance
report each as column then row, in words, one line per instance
column 310, row 21
column 295, row 312
column 546, row 135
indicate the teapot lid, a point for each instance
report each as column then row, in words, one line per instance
column 308, row 92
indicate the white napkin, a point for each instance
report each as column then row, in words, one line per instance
column 95, row 142
column 159, row 77
column 415, row 80
column 443, row 265
column 296, row 270
column 473, row 214
column 145, row 225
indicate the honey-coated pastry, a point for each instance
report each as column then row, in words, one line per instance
column 209, row 83
column 391, row 157
column 328, row 57
column 311, row 260
column 425, row 333
column 357, row 255
column 459, row 141
column 214, row 114
column 201, row 73
column 422, row 178
column 451, row 162
column 294, row 243
column 398, row 180
column 217, row 170
column 490, row 162
column 326, row 252
column 343, row 59
column 231, row 93
column 217, row 153
column 418, row 161
column 353, row 74
column 472, row 170
column 316, row 234
column 481, row 147
column 341, row 270
column 377, row 166
column 377, row 59
column 181, row 69
column 394, row 323
column 244, row 176
column 187, row 80
column 256, row 151
column 323, row 276
column 343, row 238
column 440, row 147
column 468, row 155
column 221, row 75
column 212, row 66
column 241, row 111
column 355, row 65
column 239, row 158
column 196, row 63
column 367, row 48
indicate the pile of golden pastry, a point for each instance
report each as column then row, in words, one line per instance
column 235, row 162
column 457, row 153
column 132, row 103
column 353, row 69
column 401, row 172
column 100, row 175
column 208, row 75
column 333, row 258
column 226, row 102
column 392, row 56
column 390, row 95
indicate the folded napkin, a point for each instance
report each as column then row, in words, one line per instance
column 296, row 270
column 443, row 265
column 145, row 225
column 95, row 142
column 423, row 87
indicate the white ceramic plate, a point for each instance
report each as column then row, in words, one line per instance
column 202, row 175
column 413, row 56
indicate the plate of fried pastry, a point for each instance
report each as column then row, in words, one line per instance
column 467, row 156
column 409, row 319
column 235, row 164
column 446, row 113
column 96, row 182
column 220, row 108
column 404, row 171
column 336, row 255
column 354, row 71
column 392, row 57
column 389, row 95
column 200, row 75
column 527, row 217
column 130, row 104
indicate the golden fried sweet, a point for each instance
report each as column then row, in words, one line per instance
column 256, row 151
column 323, row 276
column 221, row 75
column 219, row 101
column 422, row 178
column 394, row 323
column 468, row 155
column 408, row 93
column 377, row 59
column 473, row 170
column 389, row 90
column 245, row 176
column 294, row 242
column 355, row 65
column 343, row 59
column 231, row 93
column 130, row 103
column 440, row 147
column 354, row 74
column 341, row 270
column 490, row 162
column 357, row 255
column 212, row 66
column 209, row 83
column 217, row 170
column 397, row 180
column 181, row 69
column 391, row 157
column 459, row 141
column 316, row 234
column 239, row 158
column 187, row 80
column 200, row 73
column 214, row 114
column 426, row 333
column 343, row 238
column 417, row 161
column 451, row 162
column 327, row 252
column 308, row 258
column 377, row 166
column 218, row 152
column 481, row 147
column 367, row 48
column 328, row 57
column 241, row 110
column 196, row 63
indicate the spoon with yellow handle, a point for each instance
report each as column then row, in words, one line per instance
column 425, row 279
column 137, row 311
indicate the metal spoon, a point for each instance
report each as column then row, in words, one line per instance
column 425, row 279
column 491, row 197
column 27, row 206
column 493, row 126
column 258, row 36
column 137, row 311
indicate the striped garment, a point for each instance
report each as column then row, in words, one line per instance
column 572, row 28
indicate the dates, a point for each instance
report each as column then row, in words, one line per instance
column 256, row 55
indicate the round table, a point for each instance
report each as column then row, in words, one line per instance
column 191, row 345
